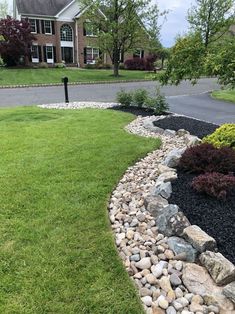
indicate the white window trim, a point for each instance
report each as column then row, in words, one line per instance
column 50, row 61
column 92, row 54
column 35, row 26
column 91, row 35
column 45, row 27
column 35, row 60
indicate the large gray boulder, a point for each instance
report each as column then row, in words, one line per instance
column 173, row 158
column 178, row 223
column 155, row 204
column 180, row 247
column 229, row 291
column 162, row 221
column 199, row 239
column 220, row 269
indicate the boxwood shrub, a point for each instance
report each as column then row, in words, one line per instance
column 223, row 136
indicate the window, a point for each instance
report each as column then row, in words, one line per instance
column 90, row 29
column 139, row 53
column 66, row 33
column 47, row 27
column 35, row 53
column 49, row 54
column 92, row 54
column 33, row 25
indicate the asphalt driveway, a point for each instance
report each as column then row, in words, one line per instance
column 185, row 99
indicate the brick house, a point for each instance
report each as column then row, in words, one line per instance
column 62, row 32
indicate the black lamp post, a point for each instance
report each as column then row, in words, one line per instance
column 65, row 81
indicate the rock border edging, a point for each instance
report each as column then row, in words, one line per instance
column 177, row 232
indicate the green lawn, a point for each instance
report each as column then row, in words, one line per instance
column 36, row 76
column 228, row 95
column 57, row 171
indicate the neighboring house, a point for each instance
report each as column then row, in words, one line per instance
column 62, row 32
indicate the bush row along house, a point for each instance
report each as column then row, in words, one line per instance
column 63, row 34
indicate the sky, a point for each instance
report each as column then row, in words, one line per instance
column 176, row 22
column 176, row 19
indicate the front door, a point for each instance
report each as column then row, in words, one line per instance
column 67, row 54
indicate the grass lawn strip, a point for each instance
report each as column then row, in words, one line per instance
column 57, row 250
column 227, row 95
column 13, row 77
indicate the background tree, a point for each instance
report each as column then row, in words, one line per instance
column 128, row 24
column 211, row 18
column 200, row 51
column 16, row 40
column 3, row 8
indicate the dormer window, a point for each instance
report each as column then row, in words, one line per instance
column 90, row 30
column 33, row 25
column 48, row 27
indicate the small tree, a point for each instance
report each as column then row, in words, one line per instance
column 16, row 40
column 204, row 50
column 127, row 25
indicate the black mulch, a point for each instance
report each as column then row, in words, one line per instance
column 216, row 217
column 193, row 126
column 135, row 110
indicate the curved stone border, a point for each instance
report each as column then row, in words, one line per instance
column 155, row 240
column 73, row 83
column 79, row 105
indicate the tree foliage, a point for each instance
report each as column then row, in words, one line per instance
column 211, row 18
column 16, row 40
column 208, row 49
column 3, row 8
column 127, row 25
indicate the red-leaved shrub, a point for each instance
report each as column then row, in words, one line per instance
column 206, row 158
column 214, row 184
column 135, row 64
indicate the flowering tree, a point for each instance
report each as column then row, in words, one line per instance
column 16, row 40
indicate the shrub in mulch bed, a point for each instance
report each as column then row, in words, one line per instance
column 207, row 158
column 193, row 126
column 214, row 184
column 214, row 216
column 144, row 112
column 223, row 136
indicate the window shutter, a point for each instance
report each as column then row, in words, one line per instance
column 45, row 53
column 85, row 60
column 42, row 25
column 38, row 26
column 40, row 53
column 54, row 53
column 84, row 29
column 142, row 54
column 53, row 27
column 30, row 55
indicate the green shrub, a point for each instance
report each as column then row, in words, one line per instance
column 223, row 136
column 158, row 103
column 124, row 98
column 139, row 97
column 42, row 65
column 2, row 63
column 90, row 66
column 60, row 65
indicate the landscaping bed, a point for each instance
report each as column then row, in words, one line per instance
column 216, row 217
column 193, row 126
column 144, row 112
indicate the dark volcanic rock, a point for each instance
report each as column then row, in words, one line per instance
column 216, row 217
column 193, row 126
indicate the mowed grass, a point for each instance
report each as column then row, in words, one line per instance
column 227, row 95
column 45, row 76
column 57, row 251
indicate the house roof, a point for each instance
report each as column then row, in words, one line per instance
column 41, row 7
